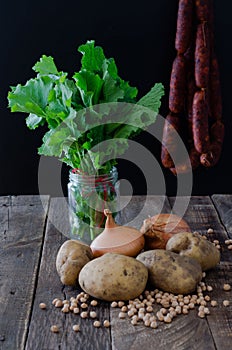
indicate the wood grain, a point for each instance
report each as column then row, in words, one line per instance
column 223, row 204
column 20, row 249
column 49, row 287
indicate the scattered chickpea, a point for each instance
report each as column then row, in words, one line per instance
column 167, row 319
column 207, row 298
column 114, row 304
column 76, row 310
column 54, row 301
column 206, row 311
column 121, row 303
column 201, row 314
column 147, row 323
column 210, row 230
column 134, row 322
column 106, row 323
column 54, row 329
column 227, row 287
column 42, row 306
column 76, row 327
column 84, row 314
column 230, row 247
column 154, row 324
column 228, row 241
column 65, row 308
column 149, row 309
column 226, row 303
column 209, row 288
column 93, row 314
column 124, row 308
column 122, row 315
column 218, row 246
column 93, row 302
column 84, row 306
column 65, row 302
column 97, row 324
column 216, row 241
column 83, row 300
column 213, row 303
column 59, row 303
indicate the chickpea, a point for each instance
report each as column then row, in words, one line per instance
column 42, row 306
column 106, row 323
column 76, row 327
column 97, row 324
column 227, row 287
column 93, row 302
column 54, row 329
column 226, row 303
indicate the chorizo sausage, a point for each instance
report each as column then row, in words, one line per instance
column 177, row 85
column 215, row 90
column 169, row 139
column 184, row 25
column 189, row 164
column 202, row 56
column 200, row 122
column 202, row 10
column 211, row 157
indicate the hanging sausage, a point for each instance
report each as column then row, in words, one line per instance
column 195, row 102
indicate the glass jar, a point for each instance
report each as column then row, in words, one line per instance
column 88, row 196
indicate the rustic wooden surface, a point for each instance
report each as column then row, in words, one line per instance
column 29, row 244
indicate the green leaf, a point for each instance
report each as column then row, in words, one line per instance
column 32, row 97
column 89, row 85
column 112, row 92
column 152, row 99
column 45, row 65
column 33, row 121
column 93, row 57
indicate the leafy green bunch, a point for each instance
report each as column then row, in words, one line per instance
column 83, row 112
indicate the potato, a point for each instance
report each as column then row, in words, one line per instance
column 71, row 257
column 171, row 272
column 195, row 246
column 113, row 277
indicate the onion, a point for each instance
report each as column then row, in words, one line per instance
column 159, row 228
column 118, row 239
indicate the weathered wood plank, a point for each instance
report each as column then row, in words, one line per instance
column 220, row 318
column 140, row 207
column 223, row 204
column 49, row 287
column 201, row 215
column 184, row 333
column 20, row 248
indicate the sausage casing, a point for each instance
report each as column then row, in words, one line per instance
column 177, row 85
column 200, row 122
column 184, row 25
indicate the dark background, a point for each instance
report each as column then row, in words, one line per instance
column 140, row 36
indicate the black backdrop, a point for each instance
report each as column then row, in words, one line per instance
column 140, row 36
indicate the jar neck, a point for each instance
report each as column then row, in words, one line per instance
column 94, row 180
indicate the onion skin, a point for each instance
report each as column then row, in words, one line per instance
column 160, row 228
column 117, row 239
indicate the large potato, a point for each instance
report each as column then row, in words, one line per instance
column 114, row 277
column 195, row 246
column 71, row 257
column 171, row 272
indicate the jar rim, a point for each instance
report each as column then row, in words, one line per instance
column 93, row 179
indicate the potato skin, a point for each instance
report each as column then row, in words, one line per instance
column 113, row 277
column 195, row 246
column 171, row 272
column 71, row 257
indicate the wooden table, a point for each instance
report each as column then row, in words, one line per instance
column 31, row 232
